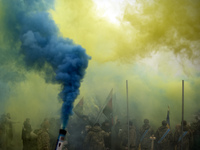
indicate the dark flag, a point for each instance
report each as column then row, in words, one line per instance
column 107, row 111
column 107, row 108
column 78, row 109
column 168, row 120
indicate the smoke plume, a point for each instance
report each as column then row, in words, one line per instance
column 60, row 59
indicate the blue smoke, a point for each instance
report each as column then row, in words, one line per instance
column 43, row 50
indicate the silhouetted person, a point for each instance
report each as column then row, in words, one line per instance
column 43, row 140
column 117, row 138
column 26, row 134
column 186, row 136
column 106, row 126
column 164, row 137
column 132, row 137
column 95, row 138
column 145, row 132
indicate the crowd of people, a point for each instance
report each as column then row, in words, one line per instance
column 122, row 136
column 82, row 134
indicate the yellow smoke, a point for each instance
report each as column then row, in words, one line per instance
column 79, row 21
column 146, row 27
column 154, row 47
column 161, row 35
column 34, row 99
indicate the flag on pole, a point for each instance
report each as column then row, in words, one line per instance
column 105, row 110
column 78, row 109
column 168, row 120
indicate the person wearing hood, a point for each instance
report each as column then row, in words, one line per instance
column 132, row 137
column 95, row 138
column 116, row 135
column 195, row 127
column 186, row 136
column 26, row 134
column 164, row 137
column 106, row 126
column 145, row 133
column 43, row 140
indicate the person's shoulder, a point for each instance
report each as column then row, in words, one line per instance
column 103, row 132
column 90, row 132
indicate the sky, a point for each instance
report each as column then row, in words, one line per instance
column 153, row 44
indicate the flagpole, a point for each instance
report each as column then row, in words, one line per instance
column 182, row 111
column 168, row 119
column 127, row 113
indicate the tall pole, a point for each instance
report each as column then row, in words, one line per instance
column 182, row 112
column 127, row 114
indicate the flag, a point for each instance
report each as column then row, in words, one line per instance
column 168, row 120
column 78, row 109
column 107, row 108
column 107, row 111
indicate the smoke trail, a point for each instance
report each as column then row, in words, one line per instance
column 59, row 58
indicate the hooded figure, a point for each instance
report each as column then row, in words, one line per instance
column 106, row 126
column 26, row 134
column 116, row 135
column 186, row 136
column 164, row 137
column 95, row 138
column 43, row 140
column 132, row 137
column 145, row 133
column 195, row 127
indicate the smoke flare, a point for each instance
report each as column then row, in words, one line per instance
column 43, row 50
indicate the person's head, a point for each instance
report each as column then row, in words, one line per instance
column 164, row 123
column 8, row 115
column 45, row 125
column 27, row 120
column 184, row 122
column 27, row 123
column 178, row 127
column 197, row 118
column 96, row 124
column 87, row 127
column 146, row 121
column 46, row 119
